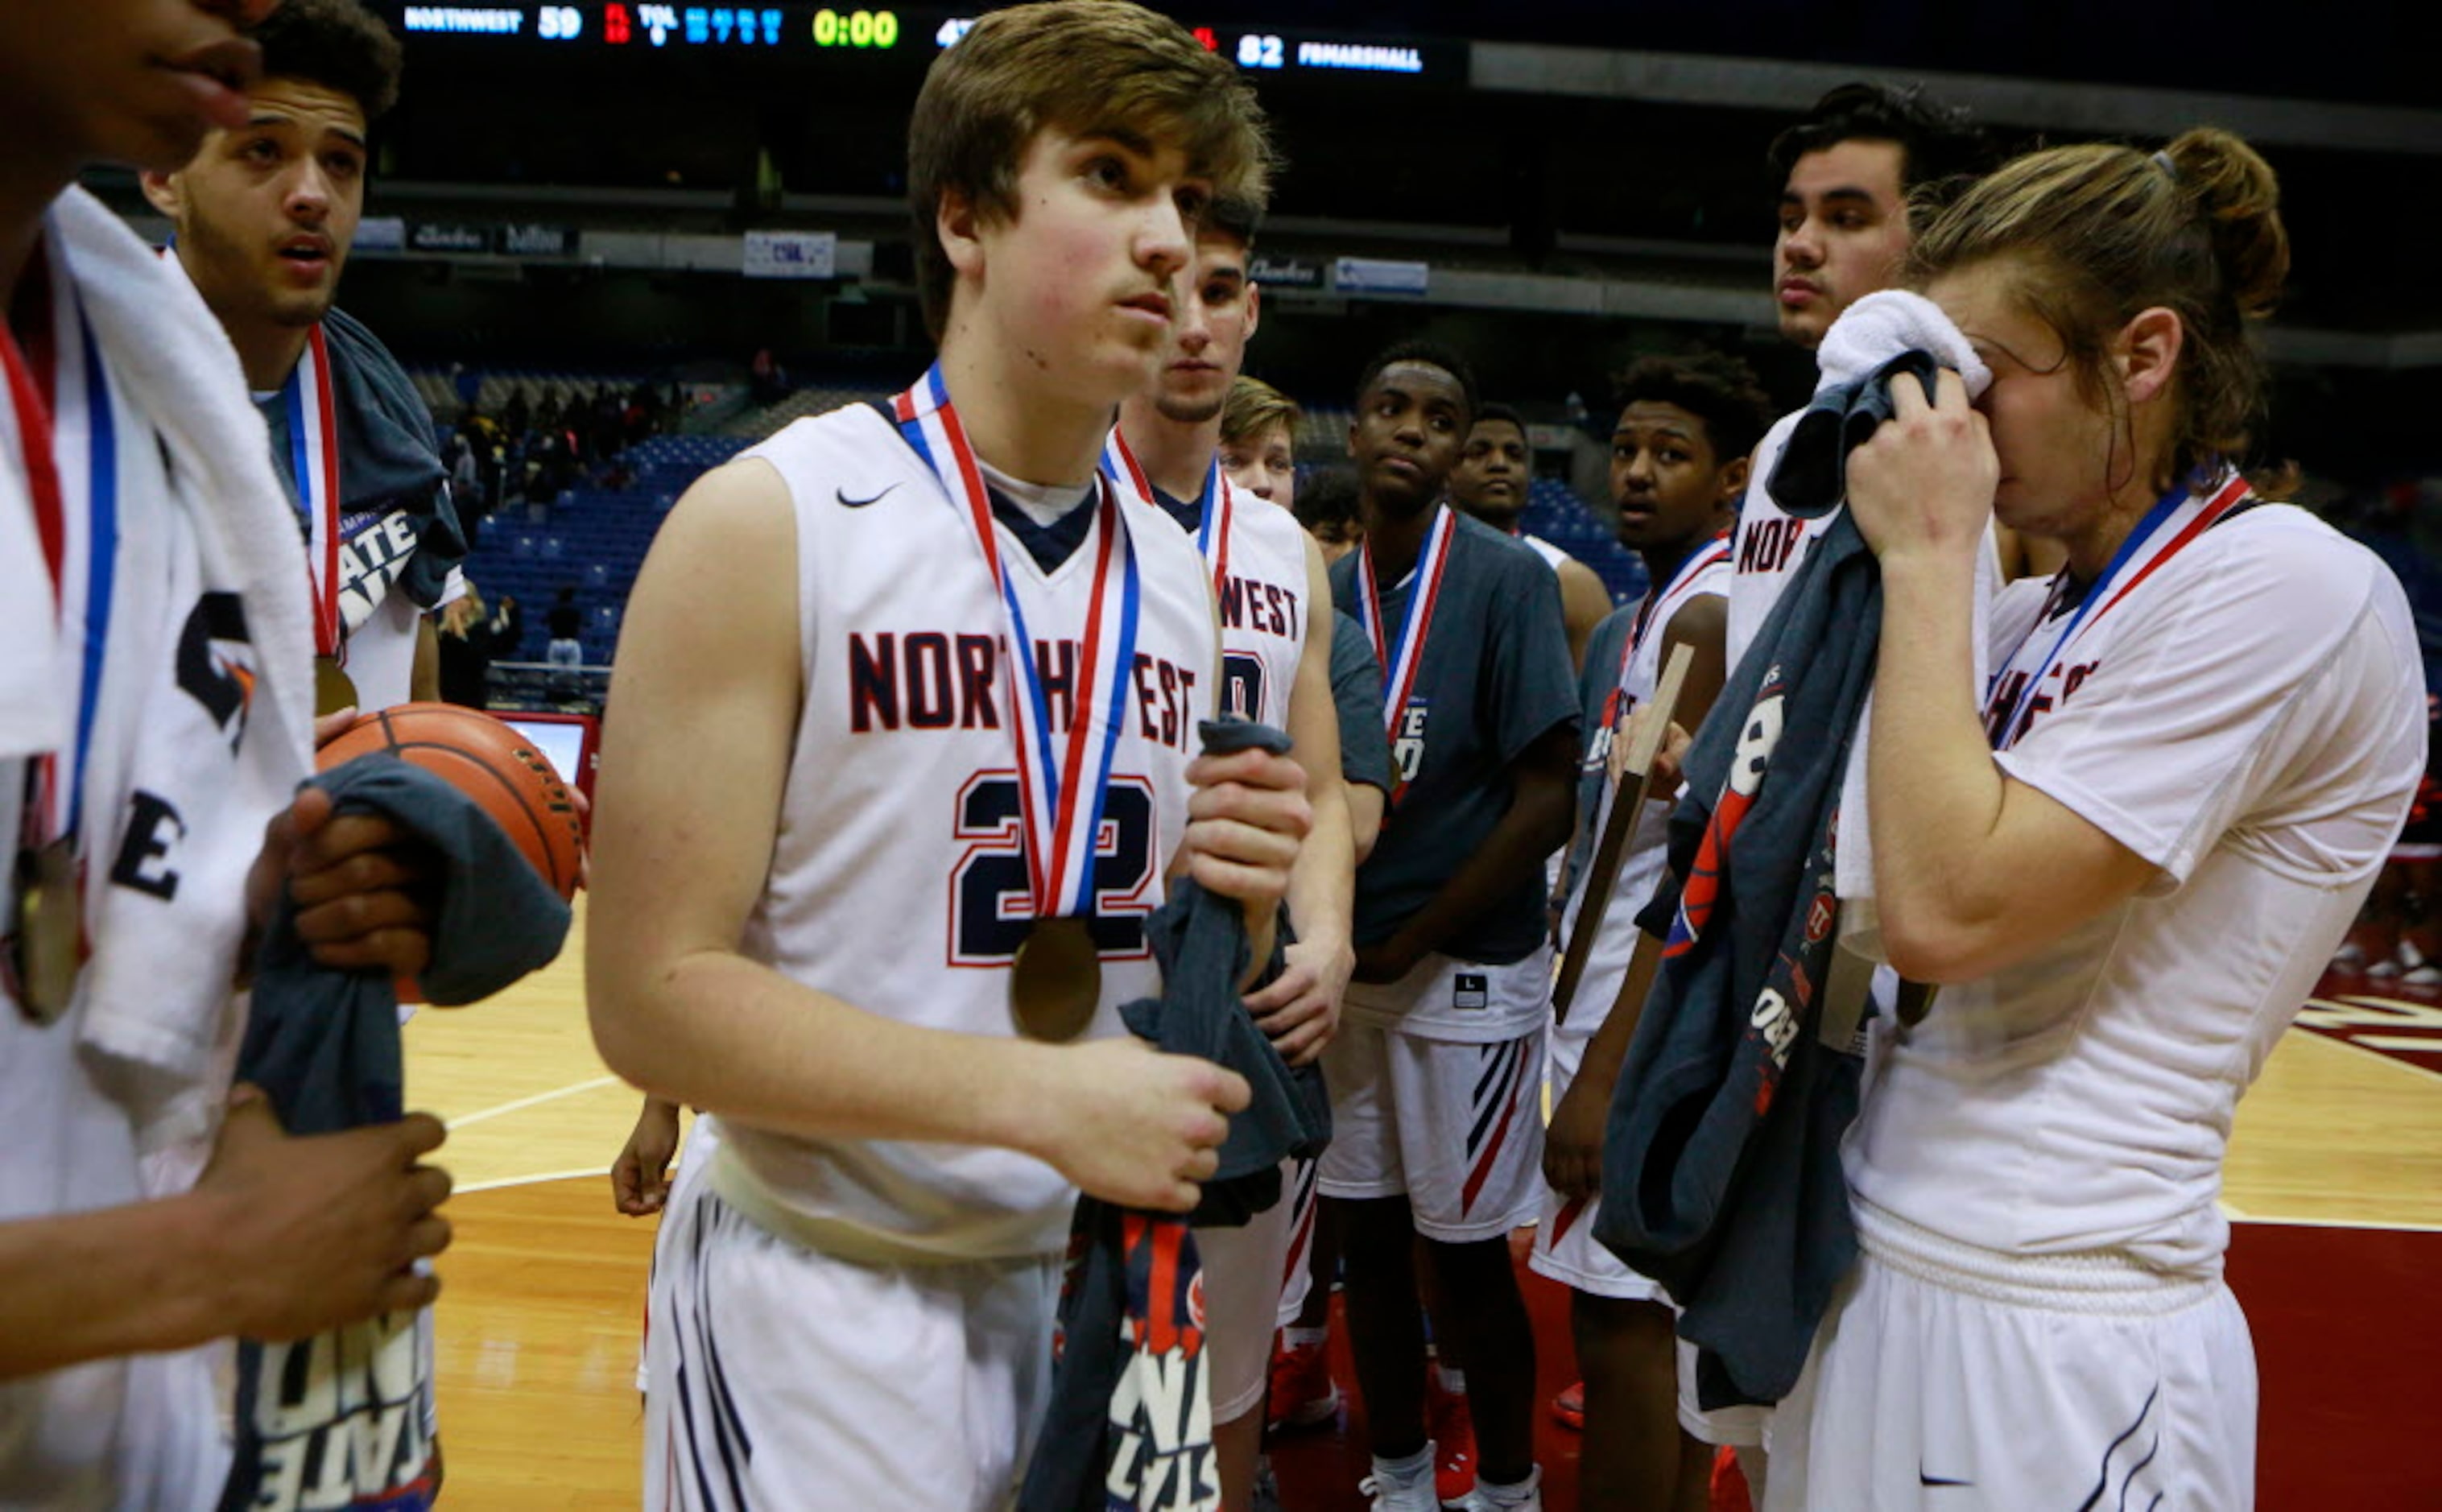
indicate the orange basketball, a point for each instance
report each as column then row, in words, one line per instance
column 487, row 761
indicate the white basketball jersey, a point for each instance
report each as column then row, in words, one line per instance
column 1707, row 573
column 1262, row 588
column 1255, row 554
column 899, row 878
column 1551, row 554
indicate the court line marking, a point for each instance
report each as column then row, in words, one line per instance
column 2377, row 1225
column 521, row 1103
column 589, row 1173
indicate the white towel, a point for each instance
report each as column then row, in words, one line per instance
column 1881, row 326
column 1868, row 334
column 201, row 513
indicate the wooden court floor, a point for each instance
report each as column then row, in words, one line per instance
column 2335, row 1174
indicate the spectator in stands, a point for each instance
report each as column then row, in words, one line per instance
column 470, row 639
column 565, row 652
column 1490, row 482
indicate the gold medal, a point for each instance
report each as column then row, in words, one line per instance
column 1056, row 982
column 48, row 931
column 332, row 691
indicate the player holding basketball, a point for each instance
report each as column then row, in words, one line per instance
column 1678, row 466
column 1276, row 667
column 1494, row 469
column 1433, row 1077
column 264, row 215
column 2129, row 856
column 151, row 814
column 846, row 925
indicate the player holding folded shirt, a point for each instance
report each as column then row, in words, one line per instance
column 1436, row 1072
column 881, row 925
column 2128, row 856
column 1678, row 466
column 1275, row 667
column 156, row 718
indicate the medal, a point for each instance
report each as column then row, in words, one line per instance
column 1055, row 978
column 1056, row 981
column 67, row 434
column 48, row 934
column 333, row 690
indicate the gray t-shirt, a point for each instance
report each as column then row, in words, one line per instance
column 1495, row 678
column 1357, row 692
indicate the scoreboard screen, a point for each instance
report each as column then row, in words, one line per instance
column 801, row 32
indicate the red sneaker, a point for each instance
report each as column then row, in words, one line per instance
column 1303, row 1393
column 1452, row 1426
column 1569, row 1408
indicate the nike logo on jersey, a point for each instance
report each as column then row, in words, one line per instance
column 846, row 502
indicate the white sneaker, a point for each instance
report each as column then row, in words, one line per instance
column 1415, row 1495
column 1481, row 1500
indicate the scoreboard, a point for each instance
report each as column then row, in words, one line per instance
column 785, row 32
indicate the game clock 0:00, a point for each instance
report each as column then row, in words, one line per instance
column 856, row 28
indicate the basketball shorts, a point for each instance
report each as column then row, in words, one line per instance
column 694, row 1153
column 855, row 1385
column 1950, row 1377
column 1454, row 1128
column 1297, row 1269
column 1565, row 1248
column 1242, row 1299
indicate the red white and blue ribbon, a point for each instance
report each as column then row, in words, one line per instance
column 314, row 467
column 68, row 440
column 1400, row 657
column 2175, row 519
column 1214, row 506
column 1659, row 604
column 1060, row 785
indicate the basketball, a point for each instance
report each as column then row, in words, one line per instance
column 500, row 770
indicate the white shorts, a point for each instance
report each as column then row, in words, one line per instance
column 1565, row 1247
column 1948, row 1376
column 857, row 1386
column 1453, row 1128
column 1297, row 1268
column 1242, row 1299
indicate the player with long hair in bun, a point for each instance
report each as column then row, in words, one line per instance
column 2128, row 860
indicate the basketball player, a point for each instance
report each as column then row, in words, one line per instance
column 1276, row 667
column 1259, row 441
column 2213, row 717
column 149, row 810
column 1259, row 452
column 1849, row 169
column 1491, row 483
column 264, row 215
column 1677, row 467
column 1434, row 1074
column 847, row 927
